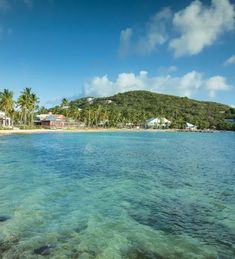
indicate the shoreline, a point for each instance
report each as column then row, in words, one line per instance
column 32, row 131
column 40, row 131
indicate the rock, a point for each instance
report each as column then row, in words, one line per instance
column 43, row 250
column 4, row 218
column 80, row 228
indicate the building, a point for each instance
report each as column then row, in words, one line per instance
column 50, row 120
column 189, row 126
column 57, row 121
column 4, row 120
column 158, row 123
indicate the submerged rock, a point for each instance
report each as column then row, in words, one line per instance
column 43, row 250
column 80, row 228
column 4, row 218
column 6, row 245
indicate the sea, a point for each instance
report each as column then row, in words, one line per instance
column 117, row 195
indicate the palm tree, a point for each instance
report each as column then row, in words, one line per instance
column 64, row 102
column 33, row 106
column 6, row 101
column 65, row 106
column 27, row 101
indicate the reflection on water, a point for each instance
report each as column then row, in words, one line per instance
column 117, row 195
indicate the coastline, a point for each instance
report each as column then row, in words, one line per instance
column 40, row 131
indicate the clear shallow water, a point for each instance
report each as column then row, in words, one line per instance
column 118, row 195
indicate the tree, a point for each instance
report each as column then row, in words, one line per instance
column 64, row 102
column 34, row 100
column 27, row 102
column 6, row 101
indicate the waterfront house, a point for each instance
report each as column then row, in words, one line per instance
column 4, row 120
column 57, row 121
column 50, row 120
column 189, row 126
column 158, row 123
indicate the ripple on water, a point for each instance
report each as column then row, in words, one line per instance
column 145, row 195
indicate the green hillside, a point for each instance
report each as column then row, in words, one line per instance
column 138, row 106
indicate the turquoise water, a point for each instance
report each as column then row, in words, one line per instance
column 118, row 195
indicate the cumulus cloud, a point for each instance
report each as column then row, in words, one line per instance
column 197, row 25
column 147, row 41
column 216, row 83
column 200, row 26
column 186, row 85
column 230, row 60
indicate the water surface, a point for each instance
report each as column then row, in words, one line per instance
column 118, row 195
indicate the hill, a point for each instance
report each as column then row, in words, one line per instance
column 138, row 106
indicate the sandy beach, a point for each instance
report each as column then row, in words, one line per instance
column 34, row 131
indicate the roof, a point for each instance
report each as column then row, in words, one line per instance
column 189, row 124
column 158, row 120
column 50, row 117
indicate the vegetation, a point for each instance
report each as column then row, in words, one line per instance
column 27, row 104
column 123, row 109
column 136, row 107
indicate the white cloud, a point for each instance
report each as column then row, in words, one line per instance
column 216, row 83
column 200, row 26
column 230, row 60
column 147, row 41
column 186, row 85
column 155, row 34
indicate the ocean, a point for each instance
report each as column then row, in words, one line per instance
column 117, row 195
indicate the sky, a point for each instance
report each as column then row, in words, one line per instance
column 75, row 48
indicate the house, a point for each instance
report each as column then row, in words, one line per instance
column 57, row 121
column 41, row 117
column 189, row 126
column 4, row 120
column 50, row 120
column 158, row 123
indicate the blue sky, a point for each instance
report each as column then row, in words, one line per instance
column 96, row 48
